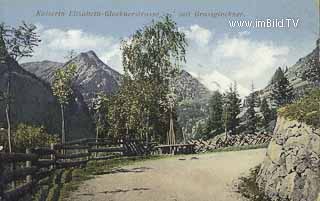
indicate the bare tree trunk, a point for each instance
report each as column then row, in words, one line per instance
column 63, row 134
column 171, row 133
column 184, row 137
column 97, row 133
column 9, row 126
column 226, row 128
column 97, row 136
column 97, row 127
column 8, row 117
column 8, row 109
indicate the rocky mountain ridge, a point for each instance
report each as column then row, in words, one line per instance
column 295, row 74
column 93, row 75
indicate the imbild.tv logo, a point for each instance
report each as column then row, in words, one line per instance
column 266, row 23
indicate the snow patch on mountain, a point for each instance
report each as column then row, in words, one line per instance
column 216, row 81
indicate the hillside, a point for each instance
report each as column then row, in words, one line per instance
column 34, row 104
column 295, row 74
column 188, row 87
column 192, row 106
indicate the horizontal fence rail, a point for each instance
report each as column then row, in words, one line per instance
column 22, row 173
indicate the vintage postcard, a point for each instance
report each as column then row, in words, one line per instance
column 160, row 100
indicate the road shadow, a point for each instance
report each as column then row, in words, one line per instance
column 124, row 170
column 125, row 190
column 86, row 194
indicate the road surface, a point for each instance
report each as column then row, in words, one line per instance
column 204, row 177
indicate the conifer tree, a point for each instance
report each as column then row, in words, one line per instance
column 266, row 113
column 282, row 91
column 277, row 75
column 231, row 110
column 215, row 122
column 251, row 116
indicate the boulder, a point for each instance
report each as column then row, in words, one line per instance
column 291, row 168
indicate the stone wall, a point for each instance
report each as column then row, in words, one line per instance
column 291, row 169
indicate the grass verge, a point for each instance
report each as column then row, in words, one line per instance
column 248, row 187
column 237, row 148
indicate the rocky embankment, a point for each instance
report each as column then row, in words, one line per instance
column 291, row 169
column 232, row 141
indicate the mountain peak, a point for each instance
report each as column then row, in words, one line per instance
column 89, row 53
column 89, row 59
column 188, row 87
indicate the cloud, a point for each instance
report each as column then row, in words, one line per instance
column 198, row 34
column 248, row 60
column 238, row 57
column 56, row 43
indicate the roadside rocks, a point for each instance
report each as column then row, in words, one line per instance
column 232, row 140
column 291, row 169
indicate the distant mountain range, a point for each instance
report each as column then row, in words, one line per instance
column 93, row 75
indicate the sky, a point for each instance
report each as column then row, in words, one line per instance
column 217, row 52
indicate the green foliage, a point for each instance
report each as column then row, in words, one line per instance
column 154, row 52
column 130, row 113
column 18, row 42
column 282, row 91
column 200, row 129
column 305, row 110
column 231, row 109
column 15, row 43
column 248, row 187
column 62, row 83
column 101, row 109
column 266, row 113
column 26, row 136
column 215, row 121
column 151, row 59
column 189, row 113
column 251, row 115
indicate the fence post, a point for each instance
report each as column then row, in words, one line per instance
column 28, row 165
column 1, row 181
column 121, row 143
column 52, row 157
column 12, row 168
column 89, row 154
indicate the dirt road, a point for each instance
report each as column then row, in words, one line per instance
column 207, row 177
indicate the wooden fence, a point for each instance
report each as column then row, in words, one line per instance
column 20, row 173
column 174, row 149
